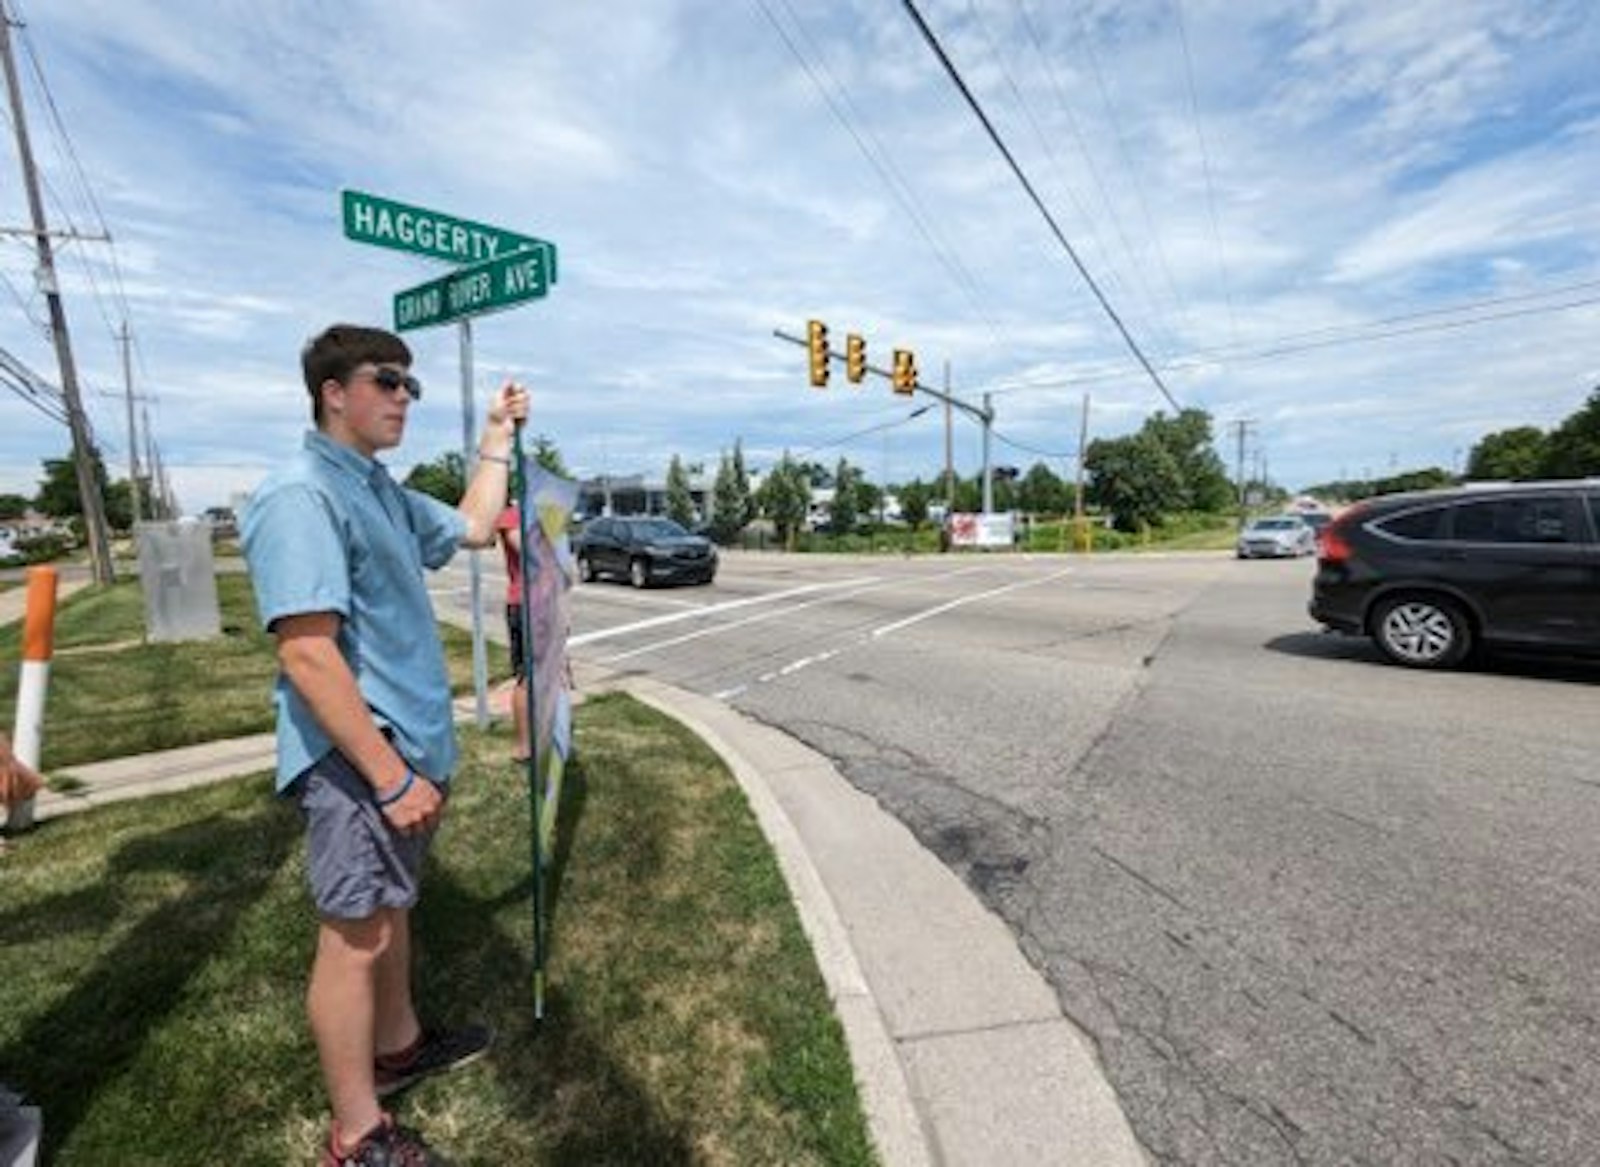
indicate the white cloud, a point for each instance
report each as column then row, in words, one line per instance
column 1362, row 161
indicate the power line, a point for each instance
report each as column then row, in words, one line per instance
column 955, row 76
column 1205, row 163
column 1027, row 449
column 914, row 414
column 1282, row 346
column 882, row 162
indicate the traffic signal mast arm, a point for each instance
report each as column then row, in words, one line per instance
column 982, row 415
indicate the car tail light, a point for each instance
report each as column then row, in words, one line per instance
column 1331, row 544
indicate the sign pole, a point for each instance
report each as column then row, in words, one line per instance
column 469, row 464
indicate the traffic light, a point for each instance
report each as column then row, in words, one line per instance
column 817, row 342
column 855, row 358
column 905, row 371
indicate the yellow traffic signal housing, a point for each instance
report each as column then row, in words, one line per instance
column 817, row 343
column 855, row 358
column 905, row 371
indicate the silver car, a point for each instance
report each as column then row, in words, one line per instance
column 1276, row 537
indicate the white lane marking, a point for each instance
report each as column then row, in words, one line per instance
column 806, row 661
column 871, row 584
column 708, row 610
column 917, row 617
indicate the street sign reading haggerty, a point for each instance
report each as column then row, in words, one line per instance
column 385, row 223
column 473, row 291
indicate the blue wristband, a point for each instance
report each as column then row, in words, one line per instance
column 398, row 792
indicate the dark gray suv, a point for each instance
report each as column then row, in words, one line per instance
column 1433, row 575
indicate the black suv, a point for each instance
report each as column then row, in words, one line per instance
column 1432, row 575
column 644, row 550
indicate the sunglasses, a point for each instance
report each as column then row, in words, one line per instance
column 391, row 381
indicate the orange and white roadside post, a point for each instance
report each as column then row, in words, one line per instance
column 38, row 645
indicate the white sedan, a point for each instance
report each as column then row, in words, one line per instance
column 1276, row 537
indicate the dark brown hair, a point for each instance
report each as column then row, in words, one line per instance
column 342, row 348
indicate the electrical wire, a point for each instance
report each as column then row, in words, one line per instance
column 883, row 163
column 994, row 136
column 910, row 417
column 1205, row 164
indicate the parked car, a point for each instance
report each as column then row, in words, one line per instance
column 1316, row 520
column 1431, row 576
column 644, row 550
column 1276, row 537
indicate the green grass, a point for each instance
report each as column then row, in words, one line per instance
column 111, row 694
column 154, row 957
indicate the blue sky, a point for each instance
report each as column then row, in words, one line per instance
column 1369, row 228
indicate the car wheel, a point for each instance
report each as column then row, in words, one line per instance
column 1422, row 632
column 585, row 569
column 639, row 573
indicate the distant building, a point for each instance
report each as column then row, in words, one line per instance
column 636, row 494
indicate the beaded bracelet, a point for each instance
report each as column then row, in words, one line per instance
column 504, row 461
column 398, row 792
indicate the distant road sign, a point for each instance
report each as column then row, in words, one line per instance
column 473, row 291
column 385, row 223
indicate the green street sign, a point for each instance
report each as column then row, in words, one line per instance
column 386, row 223
column 473, row 291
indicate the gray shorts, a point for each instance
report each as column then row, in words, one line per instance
column 356, row 862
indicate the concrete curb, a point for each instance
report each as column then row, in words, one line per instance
column 886, row 1094
column 959, row 1046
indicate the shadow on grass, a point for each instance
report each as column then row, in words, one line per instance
column 84, row 1042
column 557, row 1075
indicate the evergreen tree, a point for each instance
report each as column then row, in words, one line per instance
column 680, row 501
column 727, row 512
column 741, row 483
column 785, row 498
column 845, row 506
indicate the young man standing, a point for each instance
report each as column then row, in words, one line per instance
column 366, row 741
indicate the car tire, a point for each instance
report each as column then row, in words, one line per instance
column 585, row 569
column 638, row 573
column 1422, row 631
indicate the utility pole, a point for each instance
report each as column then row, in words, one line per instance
column 133, row 435
column 949, row 457
column 1241, row 427
column 1079, row 531
column 988, row 470
column 94, row 515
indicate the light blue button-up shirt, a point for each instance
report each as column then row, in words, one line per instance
column 332, row 532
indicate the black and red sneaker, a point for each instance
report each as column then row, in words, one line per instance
column 434, row 1051
column 386, row 1145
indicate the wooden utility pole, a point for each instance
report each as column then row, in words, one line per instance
column 94, row 514
column 949, row 455
column 1080, row 532
column 133, row 434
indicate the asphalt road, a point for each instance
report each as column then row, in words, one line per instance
column 1311, row 907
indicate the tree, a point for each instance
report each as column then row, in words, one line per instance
column 914, row 499
column 785, row 498
column 444, row 478
column 13, row 506
column 58, row 492
column 680, row 501
column 845, row 507
column 1512, row 453
column 1041, row 491
column 741, row 484
column 545, row 454
column 1573, row 448
column 1135, row 478
column 1187, row 440
column 728, row 506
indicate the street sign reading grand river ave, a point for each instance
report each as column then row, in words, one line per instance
column 386, row 223
column 472, row 291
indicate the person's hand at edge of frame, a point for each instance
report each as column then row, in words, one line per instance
column 18, row 780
